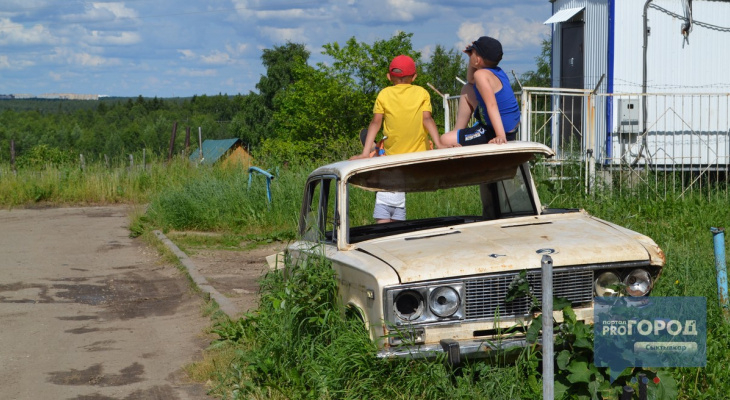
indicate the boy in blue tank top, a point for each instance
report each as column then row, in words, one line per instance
column 499, row 113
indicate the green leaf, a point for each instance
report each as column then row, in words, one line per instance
column 518, row 288
column 583, row 343
column 666, row 389
column 569, row 314
column 594, row 388
column 533, row 332
column 561, row 303
column 560, row 389
column 579, row 372
column 563, row 359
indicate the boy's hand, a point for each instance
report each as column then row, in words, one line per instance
column 358, row 157
column 499, row 139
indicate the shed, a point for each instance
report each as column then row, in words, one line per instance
column 231, row 151
column 666, row 80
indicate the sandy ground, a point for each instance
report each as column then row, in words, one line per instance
column 88, row 313
column 235, row 274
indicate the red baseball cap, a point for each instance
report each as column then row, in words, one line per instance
column 402, row 65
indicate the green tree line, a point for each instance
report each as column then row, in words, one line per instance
column 298, row 110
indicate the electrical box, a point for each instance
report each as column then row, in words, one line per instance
column 629, row 119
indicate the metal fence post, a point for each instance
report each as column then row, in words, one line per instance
column 548, row 372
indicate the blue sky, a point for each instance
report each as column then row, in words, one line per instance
column 179, row 48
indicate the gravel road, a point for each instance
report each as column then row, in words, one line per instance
column 88, row 313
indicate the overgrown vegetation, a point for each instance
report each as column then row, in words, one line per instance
column 294, row 347
column 299, row 345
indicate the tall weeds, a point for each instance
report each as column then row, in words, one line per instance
column 300, row 345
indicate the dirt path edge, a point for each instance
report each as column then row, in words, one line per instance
column 224, row 304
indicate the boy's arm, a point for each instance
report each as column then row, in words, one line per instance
column 430, row 126
column 470, row 73
column 485, row 88
column 373, row 129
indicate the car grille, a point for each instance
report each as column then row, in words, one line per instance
column 485, row 296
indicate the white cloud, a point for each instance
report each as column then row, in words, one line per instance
column 14, row 63
column 118, row 9
column 103, row 12
column 261, row 10
column 280, row 35
column 237, row 49
column 99, row 38
column 426, row 52
column 514, row 33
column 196, row 73
column 12, row 33
column 216, row 57
column 68, row 56
column 187, row 54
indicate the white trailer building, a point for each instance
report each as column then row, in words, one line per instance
column 661, row 74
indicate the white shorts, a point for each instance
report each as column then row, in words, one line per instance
column 383, row 211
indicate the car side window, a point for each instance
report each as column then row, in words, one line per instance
column 514, row 196
column 320, row 214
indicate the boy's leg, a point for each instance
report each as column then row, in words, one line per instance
column 399, row 214
column 467, row 104
column 385, row 213
column 382, row 213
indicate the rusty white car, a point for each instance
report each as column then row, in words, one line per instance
column 438, row 281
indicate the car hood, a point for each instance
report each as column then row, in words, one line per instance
column 506, row 245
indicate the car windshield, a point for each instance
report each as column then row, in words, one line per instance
column 509, row 196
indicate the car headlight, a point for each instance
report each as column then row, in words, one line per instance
column 409, row 305
column 638, row 282
column 444, row 301
column 604, row 282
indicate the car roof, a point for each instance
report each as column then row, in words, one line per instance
column 436, row 169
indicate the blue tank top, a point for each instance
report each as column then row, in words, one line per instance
column 509, row 109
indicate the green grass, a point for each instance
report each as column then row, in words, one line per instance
column 95, row 184
column 299, row 345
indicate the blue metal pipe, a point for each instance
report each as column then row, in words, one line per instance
column 268, row 176
column 718, row 236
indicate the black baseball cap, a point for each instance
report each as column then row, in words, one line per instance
column 486, row 47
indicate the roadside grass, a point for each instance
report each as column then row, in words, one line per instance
column 299, row 345
column 67, row 184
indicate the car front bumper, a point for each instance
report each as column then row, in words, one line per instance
column 455, row 351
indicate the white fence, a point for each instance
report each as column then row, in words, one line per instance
column 664, row 143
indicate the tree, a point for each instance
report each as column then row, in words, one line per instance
column 320, row 106
column 280, row 63
column 541, row 76
column 364, row 65
column 441, row 71
column 443, row 68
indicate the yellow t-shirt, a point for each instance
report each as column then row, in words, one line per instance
column 402, row 107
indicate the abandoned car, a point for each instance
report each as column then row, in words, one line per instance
column 474, row 222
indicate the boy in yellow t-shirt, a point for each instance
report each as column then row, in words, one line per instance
column 404, row 111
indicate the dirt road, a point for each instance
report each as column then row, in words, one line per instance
column 88, row 313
